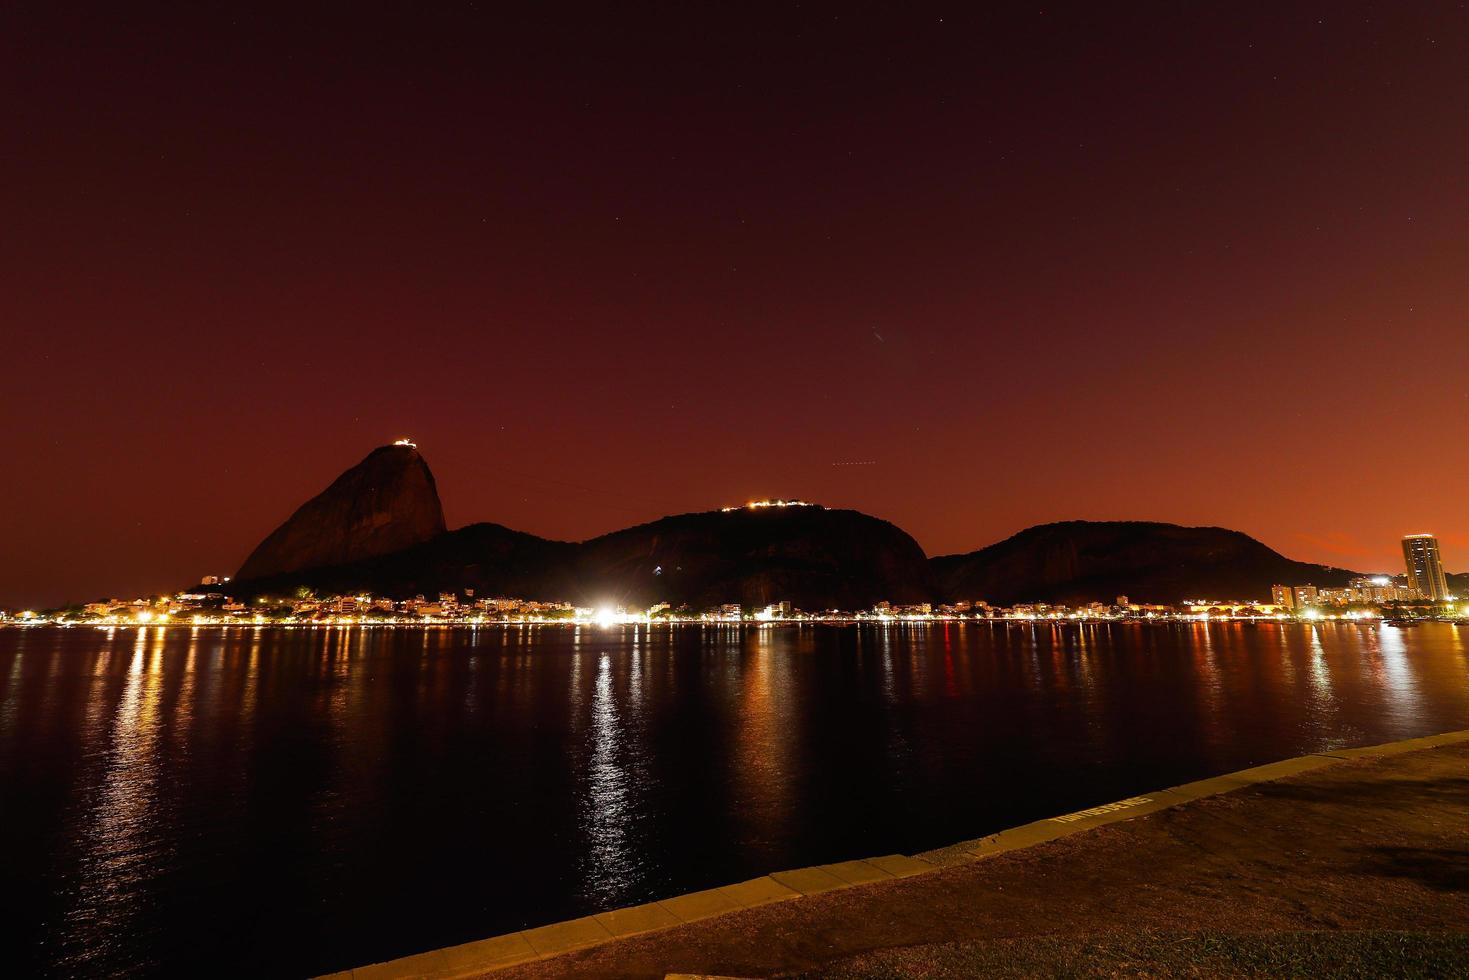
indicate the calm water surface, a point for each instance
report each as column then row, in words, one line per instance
column 273, row 802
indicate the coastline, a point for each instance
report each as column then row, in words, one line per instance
column 1178, row 620
column 593, row 933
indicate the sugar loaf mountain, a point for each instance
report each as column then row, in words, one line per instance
column 379, row 528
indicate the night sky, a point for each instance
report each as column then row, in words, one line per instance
column 966, row 271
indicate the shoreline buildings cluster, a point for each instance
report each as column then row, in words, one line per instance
column 1421, row 593
column 1423, row 581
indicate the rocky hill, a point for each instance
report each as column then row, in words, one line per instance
column 379, row 528
column 814, row 557
column 1084, row 561
column 490, row 559
column 384, row 504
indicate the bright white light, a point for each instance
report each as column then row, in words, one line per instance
column 405, row 442
column 758, row 504
column 606, row 616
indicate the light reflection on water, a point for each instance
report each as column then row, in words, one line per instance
column 1397, row 675
column 1321, row 701
column 359, row 794
column 607, row 811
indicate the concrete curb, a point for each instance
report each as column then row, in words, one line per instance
column 486, row 955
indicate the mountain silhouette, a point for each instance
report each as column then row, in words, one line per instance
column 379, row 528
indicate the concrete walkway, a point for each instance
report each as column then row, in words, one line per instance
column 1373, row 838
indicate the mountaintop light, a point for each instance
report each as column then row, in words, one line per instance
column 757, row 504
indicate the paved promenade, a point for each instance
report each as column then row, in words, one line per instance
column 1364, row 843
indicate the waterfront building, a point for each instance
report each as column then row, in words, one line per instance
column 1304, row 595
column 1425, row 569
column 1380, row 588
column 1281, row 595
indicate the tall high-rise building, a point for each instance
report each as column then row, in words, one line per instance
column 1425, row 570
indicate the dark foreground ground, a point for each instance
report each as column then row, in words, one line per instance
column 1364, row 954
column 1358, row 869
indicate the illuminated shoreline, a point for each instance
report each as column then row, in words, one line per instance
column 639, row 623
